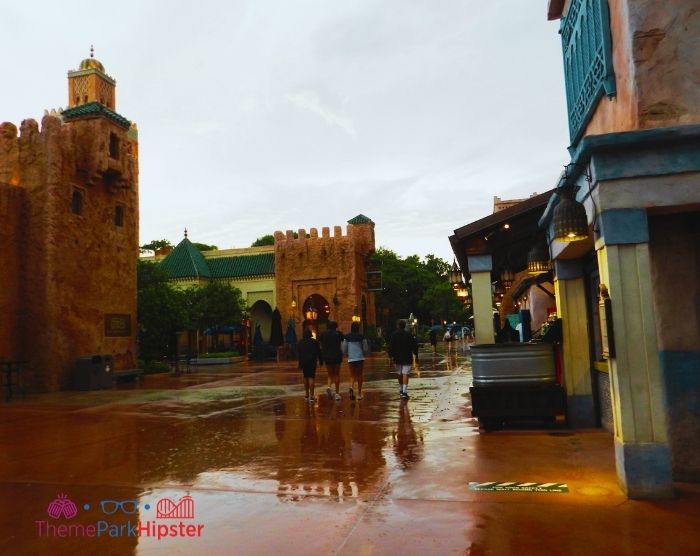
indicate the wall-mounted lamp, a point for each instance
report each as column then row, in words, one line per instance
column 356, row 315
column 569, row 219
column 294, row 302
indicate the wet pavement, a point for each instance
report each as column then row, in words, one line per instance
column 231, row 460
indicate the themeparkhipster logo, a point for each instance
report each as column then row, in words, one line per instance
column 62, row 511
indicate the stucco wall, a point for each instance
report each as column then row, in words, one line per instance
column 657, row 70
column 675, row 271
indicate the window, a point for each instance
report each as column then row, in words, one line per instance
column 588, row 69
column 119, row 215
column 76, row 202
column 113, row 146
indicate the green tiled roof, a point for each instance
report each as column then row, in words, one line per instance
column 360, row 219
column 185, row 261
column 95, row 109
column 242, row 265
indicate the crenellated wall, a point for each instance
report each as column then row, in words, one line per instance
column 333, row 266
column 63, row 273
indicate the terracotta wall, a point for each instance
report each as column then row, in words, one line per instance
column 332, row 266
column 11, row 214
column 74, row 269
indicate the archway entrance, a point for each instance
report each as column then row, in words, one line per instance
column 261, row 313
column 315, row 311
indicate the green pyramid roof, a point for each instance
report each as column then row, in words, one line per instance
column 185, row 261
column 360, row 219
column 242, row 265
column 94, row 109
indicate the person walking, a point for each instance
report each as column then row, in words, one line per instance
column 402, row 350
column 331, row 341
column 433, row 337
column 355, row 347
column 309, row 352
column 448, row 341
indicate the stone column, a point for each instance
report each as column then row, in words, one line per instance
column 480, row 270
column 570, row 292
column 642, row 450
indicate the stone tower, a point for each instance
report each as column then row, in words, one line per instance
column 90, row 83
column 69, row 234
column 325, row 276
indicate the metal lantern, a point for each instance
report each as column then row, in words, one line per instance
column 455, row 275
column 569, row 218
column 538, row 259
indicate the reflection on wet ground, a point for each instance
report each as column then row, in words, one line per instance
column 230, row 459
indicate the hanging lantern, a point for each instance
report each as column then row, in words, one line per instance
column 311, row 313
column 538, row 259
column 455, row 275
column 507, row 278
column 569, row 218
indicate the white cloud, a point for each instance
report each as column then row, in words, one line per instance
column 310, row 100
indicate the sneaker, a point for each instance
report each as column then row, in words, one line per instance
column 306, row 398
column 329, row 393
column 404, row 395
column 312, row 399
column 351, row 394
column 338, row 398
column 359, row 397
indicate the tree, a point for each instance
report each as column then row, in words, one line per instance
column 155, row 245
column 264, row 240
column 414, row 286
column 161, row 312
column 213, row 305
column 205, row 247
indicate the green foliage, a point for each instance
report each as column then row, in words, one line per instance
column 375, row 341
column 161, row 312
column 155, row 245
column 412, row 285
column 217, row 354
column 264, row 240
column 215, row 304
column 205, row 247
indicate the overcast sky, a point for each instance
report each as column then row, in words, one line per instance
column 265, row 115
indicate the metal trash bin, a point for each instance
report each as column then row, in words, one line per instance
column 93, row 372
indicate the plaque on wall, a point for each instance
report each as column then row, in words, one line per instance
column 117, row 325
column 607, row 338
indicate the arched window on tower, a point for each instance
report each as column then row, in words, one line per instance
column 119, row 215
column 113, row 146
column 76, row 202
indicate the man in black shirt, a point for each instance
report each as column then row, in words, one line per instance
column 402, row 349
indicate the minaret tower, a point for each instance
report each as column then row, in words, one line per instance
column 90, row 83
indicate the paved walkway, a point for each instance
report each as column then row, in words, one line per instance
column 230, row 460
